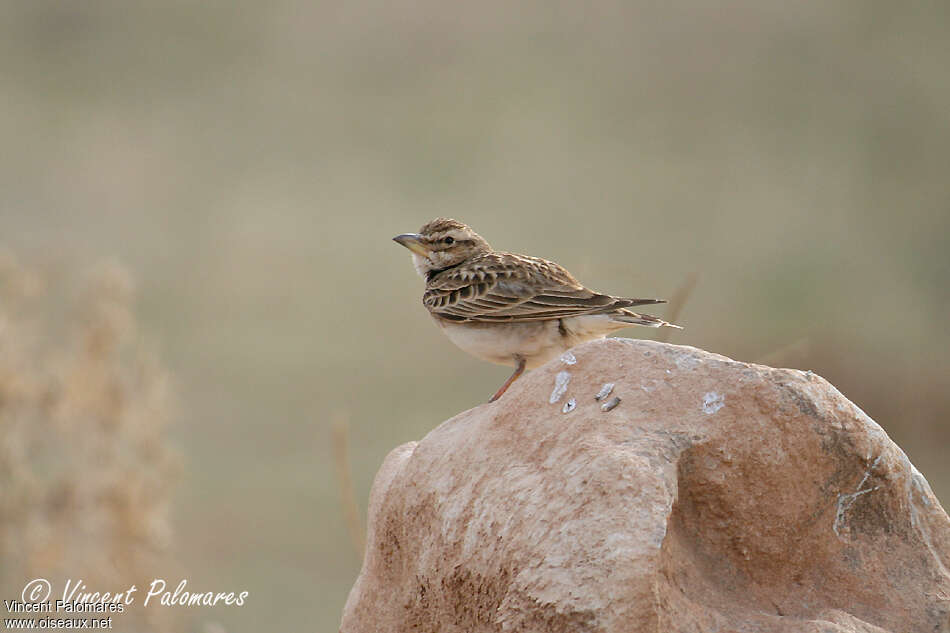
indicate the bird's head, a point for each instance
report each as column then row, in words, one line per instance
column 442, row 243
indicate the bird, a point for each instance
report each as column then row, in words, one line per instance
column 510, row 309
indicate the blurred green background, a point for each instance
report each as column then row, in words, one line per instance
column 248, row 162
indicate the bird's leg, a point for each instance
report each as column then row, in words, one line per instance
column 519, row 369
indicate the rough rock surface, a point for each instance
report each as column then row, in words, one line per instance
column 717, row 496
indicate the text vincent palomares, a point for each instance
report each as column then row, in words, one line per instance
column 76, row 598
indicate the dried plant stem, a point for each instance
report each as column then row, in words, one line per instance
column 783, row 354
column 341, row 458
column 677, row 301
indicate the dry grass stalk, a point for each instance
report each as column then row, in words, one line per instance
column 787, row 355
column 341, row 458
column 677, row 301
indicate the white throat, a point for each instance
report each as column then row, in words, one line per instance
column 421, row 264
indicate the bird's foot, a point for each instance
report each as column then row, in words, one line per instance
column 519, row 369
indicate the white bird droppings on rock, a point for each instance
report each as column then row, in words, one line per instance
column 604, row 391
column 569, row 406
column 712, row 402
column 687, row 361
column 560, row 386
column 568, row 358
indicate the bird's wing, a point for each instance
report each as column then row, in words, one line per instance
column 503, row 287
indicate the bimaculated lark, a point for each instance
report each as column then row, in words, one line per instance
column 506, row 308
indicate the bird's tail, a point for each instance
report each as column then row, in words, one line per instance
column 627, row 303
column 629, row 316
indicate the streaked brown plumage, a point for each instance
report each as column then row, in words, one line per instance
column 506, row 308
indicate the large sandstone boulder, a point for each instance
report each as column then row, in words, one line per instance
column 716, row 496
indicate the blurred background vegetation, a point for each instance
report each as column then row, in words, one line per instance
column 247, row 164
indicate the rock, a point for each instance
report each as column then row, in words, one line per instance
column 716, row 496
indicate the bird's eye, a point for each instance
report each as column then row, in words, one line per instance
column 449, row 241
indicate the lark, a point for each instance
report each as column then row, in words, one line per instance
column 510, row 309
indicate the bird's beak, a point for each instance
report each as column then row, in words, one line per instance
column 412, row 241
